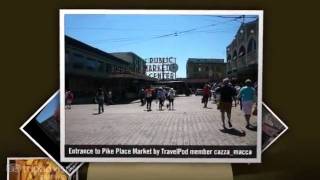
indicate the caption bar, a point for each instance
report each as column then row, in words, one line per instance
column 161, row 151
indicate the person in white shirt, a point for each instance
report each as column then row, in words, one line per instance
column 171, row 96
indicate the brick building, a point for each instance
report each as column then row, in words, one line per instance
column 242, row 53
column 201, row 71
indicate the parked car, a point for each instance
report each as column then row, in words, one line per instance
column 199, row 92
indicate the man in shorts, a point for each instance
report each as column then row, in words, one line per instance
column 247, row 94
column 227, row 93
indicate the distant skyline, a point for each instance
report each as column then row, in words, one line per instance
column 148, row 36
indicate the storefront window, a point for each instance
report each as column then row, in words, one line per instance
column 91, row 64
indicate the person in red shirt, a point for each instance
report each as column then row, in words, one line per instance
column 206, row 94
column 149, row 94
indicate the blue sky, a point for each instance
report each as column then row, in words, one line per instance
column 49, row 109
column 180, row 36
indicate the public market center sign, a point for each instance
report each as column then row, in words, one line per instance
column 162, row 68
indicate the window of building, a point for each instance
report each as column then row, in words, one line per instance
column 77, row 65
column 100, row 66
column 108, row 68
column 115, row 69
column 77, row 55
column 195, row 69
column 252, row 45
column 228, row 57
column 92, row 64
column 242, row 51
column 120, row 69
column 234, row 56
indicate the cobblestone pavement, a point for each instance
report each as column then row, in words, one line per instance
column 130, row 124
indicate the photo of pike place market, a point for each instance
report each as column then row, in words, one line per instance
column 161, row 92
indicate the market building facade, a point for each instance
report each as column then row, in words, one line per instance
column 88, row 68
column 137, row 64
column 242, row 53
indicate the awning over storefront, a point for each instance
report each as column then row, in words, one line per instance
column 197, row 80
column 118, row 75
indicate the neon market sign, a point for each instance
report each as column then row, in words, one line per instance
column 161, row 67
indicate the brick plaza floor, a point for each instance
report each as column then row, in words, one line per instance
column 131, row 124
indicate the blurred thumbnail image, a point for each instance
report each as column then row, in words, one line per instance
column 49, row 120
column 35, row 169
column 272, row 127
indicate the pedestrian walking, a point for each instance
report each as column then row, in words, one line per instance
column 149, row 98
column 100, row 100
column 109, row 98
column 216, row 93
column 161, row 95
column 247, row 94
column 142, row 96
column 227, row 94
column 236, row 99
column 235, row 96
column 206, row 94
column 171, row 96
column 69, row 99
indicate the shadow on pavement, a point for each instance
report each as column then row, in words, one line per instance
column 234, row 131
